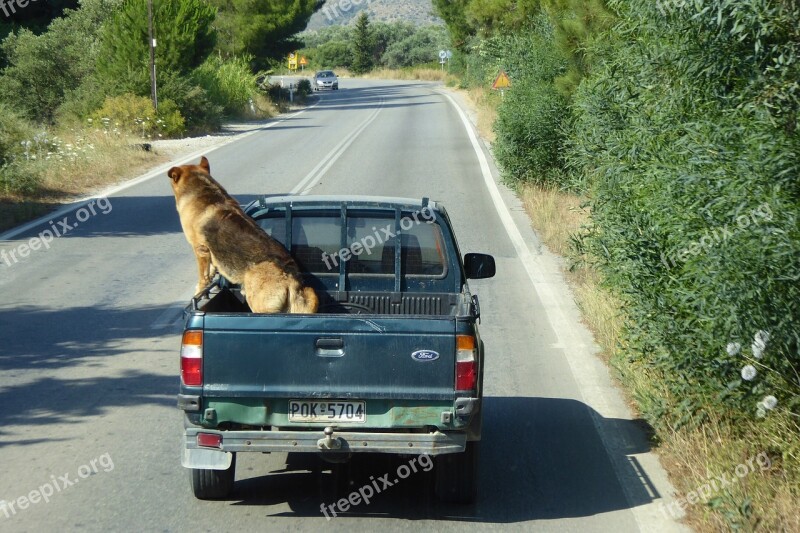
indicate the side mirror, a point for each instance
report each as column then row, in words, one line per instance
column 479, row 266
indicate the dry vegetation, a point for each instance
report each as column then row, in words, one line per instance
column 79, row 161
column 693, row 457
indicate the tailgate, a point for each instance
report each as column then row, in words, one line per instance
column 319, row 356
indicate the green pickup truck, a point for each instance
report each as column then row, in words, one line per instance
column 392, row 362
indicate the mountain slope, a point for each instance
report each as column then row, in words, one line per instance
column 417, row 12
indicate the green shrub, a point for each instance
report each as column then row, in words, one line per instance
column 18, row 177
column 687, row 134
column 15, row 130
column 228, row 83
column 136, row 115
column 304, row 87
column 43, row 69
column 201, row 114
column 530, row 124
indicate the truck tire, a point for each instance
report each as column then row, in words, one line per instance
column 457, row 475
column 213, row 484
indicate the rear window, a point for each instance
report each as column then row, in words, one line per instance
column 368, row 246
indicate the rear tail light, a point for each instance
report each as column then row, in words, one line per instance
column 466, row 363
column 209, row 440
column 192, row 358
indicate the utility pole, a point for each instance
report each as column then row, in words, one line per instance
column 153, row 92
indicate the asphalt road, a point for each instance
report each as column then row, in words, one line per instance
column 89, row 338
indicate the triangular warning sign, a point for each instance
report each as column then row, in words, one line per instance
column 502, row 81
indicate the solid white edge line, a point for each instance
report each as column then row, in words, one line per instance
column 160, row 170
column 643, row 514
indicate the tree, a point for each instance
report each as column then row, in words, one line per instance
column 44, row 69
column 262, row 29
column 453, row 12
column 362, row 45
column 184, row 34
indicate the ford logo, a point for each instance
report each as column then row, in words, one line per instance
column 425, row 355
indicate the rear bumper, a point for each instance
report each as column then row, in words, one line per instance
column 434, row 443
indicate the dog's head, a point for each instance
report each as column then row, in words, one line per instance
column 183, row 178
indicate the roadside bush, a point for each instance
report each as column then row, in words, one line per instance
column 530, row 124
column 135, row 115
column 277, row 93
column 304, row 87
column 228, row 83
column 200, row 113
column 43, row 69
column 687, row 134
column 18, row 145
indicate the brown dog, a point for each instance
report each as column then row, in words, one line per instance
column 222, row 235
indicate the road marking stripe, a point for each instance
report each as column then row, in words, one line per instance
column 158, row 171
column 308, row 182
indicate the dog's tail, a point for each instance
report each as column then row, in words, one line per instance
column 304, row 300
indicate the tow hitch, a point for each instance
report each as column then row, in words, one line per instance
column 329, row 442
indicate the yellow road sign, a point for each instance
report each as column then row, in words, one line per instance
column 303, row 61
column 293, row 61
column 502, row 81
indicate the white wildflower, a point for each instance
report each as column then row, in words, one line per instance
column 769, row 402
column 733, row 348
column 762, row 336
column 758, row 350
column 749, row 372
column 760, row 412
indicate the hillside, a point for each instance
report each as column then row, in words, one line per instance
column 418, row 12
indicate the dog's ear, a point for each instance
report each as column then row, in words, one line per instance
column 174, row 174
column 204, row 164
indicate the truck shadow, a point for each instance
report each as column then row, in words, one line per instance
column 541, row 458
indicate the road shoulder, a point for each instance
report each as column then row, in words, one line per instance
column 599, row 390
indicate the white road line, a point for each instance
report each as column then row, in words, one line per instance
column 582, row 362
column 309, row 181
column 159, row 171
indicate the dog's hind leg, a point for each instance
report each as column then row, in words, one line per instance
column 266, row 289
column 204, row 267
column 303, row 300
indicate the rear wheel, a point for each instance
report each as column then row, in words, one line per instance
column 213, row 484
column 457, row 475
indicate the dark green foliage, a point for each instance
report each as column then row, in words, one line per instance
column 363, row 45
column 687, row 134
column 420, row 46
column 393, row 45
column 35, row 16
column 185, row 38
column 264, row 29
column 45, row 69
column 576, row 22
column 228, row 83
column 454, row 14
column 17, row 142
column 531, row 120
column 201, row 113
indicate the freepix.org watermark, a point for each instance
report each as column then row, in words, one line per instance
column 334, row 8
column 718, row 235
column 9, row 7
column 367, row 492
column 715, row 483
column 56, row 485
column 378, row 237
column 11, row 256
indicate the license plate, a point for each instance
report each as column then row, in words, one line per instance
column 327, row 411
